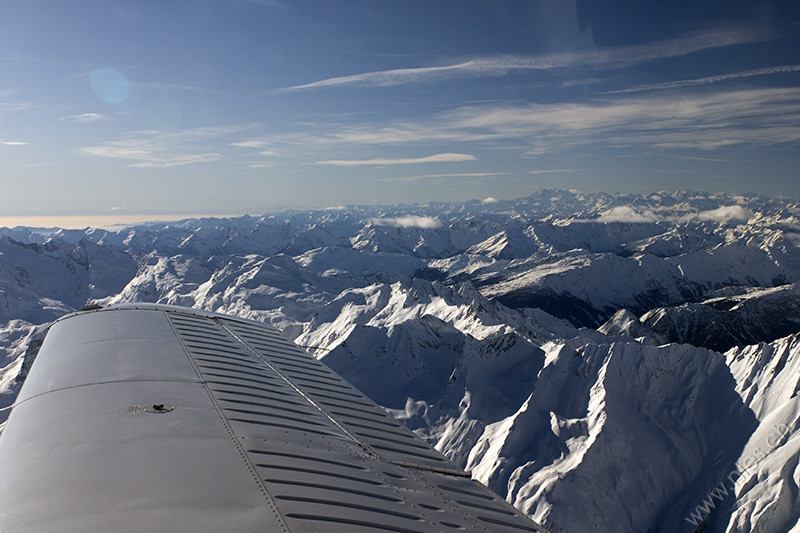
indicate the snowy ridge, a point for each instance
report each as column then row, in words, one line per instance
column 766, row 476
column 528, row 339
column 502, row 410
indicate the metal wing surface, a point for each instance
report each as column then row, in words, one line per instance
column 158, row 418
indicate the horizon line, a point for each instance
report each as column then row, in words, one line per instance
column 116, row 221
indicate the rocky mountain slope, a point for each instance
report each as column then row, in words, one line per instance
column 606, row 362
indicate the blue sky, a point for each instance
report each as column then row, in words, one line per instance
column 150, row 107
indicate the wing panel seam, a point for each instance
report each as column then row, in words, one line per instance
column 229, row 430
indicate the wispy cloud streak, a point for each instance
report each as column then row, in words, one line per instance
column 553, row 171
column 163, row 150
column 85, row 117
column 145, row 154
column 453, row 175
column 768, row 71
column 14, row 106
column 437, row 158
column 252, row 143
column 757, row 117
column 166, row 86
column 609, row 58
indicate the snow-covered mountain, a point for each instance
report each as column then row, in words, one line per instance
column 606, row 362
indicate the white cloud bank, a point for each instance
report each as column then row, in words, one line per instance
column 626, row 213
column 633, row 215
column 728, row 212
column 408, row 221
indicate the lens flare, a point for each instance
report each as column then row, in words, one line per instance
column 110, row 85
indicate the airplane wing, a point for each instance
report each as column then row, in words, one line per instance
column 159, row 418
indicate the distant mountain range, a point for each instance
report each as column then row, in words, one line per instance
column 606, row 362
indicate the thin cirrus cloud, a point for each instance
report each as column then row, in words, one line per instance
column 706, row 121
column 163, row 150
column 553, row 171
column 13, row 143
column 436, row 158
column 144, row 155
column 253, row 143
column 768, row 71
column 609, row 58
column 258, row 144
column 85, row 118
column 447, row 176
column 166, row 86
column 14, row 106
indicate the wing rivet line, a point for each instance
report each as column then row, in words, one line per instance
column 276, row 514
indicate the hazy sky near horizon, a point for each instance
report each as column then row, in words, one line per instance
column 244, row 106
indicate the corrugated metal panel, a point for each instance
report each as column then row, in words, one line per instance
column 359, row 416
column 161, row 419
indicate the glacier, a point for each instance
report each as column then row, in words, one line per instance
column 606, row 362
